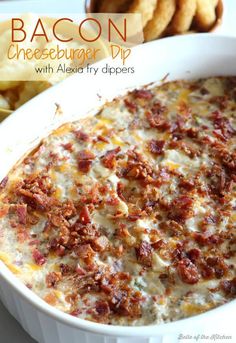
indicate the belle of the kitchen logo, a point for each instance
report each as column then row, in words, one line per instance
column 85, row 41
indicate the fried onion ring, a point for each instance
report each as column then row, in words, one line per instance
column 161, row 18
column 206, row 14
column 145, row 7
column 184, row 15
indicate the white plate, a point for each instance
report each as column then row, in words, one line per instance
column 190, row 56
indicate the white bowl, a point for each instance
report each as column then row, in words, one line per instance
column 183, row 57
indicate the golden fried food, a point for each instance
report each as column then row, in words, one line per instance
column 114, row 6
column 161, row 18
column 145, row 7
column 206, row 14
column 183, row 17
column 4, row 85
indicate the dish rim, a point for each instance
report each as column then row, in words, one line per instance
column 85, row 325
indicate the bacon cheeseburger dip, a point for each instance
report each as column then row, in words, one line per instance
column 128, row 217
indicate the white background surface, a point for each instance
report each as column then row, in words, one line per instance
column 10, row 330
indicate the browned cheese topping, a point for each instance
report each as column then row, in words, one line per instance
column 129, row 217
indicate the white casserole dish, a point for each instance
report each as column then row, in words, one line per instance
column 187, row 57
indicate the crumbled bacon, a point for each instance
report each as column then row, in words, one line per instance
column 21, row 211
column 188, row 272
column 205, row 239
column 81, row 233
column 178, row 253
column 156, row 118
column 220, row 101
column 42, row 201
column 4, row 211
column 75, row 313
column 172, row 227
column 52, row 279
column 158, row 244
column 32, row 218
column 156, row 147
column 68, row 147
column 54, row 159
column 112, row 201
column 109, row 159
column 37, row 184
column 81, row 136
column 138, row 171
column 85, row 251
column 229, row 287
column 132, row 107
column 219, row 266
column 229, row 160
column 91, row 196
column 143, row 94
column 101, row 243
column 84, row 216
column 38, row 257
column 84, row 165
column 120, row 189
column 56, row 219
column 181, row 208
column 184, row 109
column 61, row 251
column 189, row 149
column 187, row 184
column 206, row 271
column 84, row 159
column 103, row 139
column 177, row 129
column 22, row 234
column 222, row 126
column 89, row 282
column 219, row 182
column 122, row 231
column 79, row 270
column 133, row 217
column 192, row 132
column 102, row 308
column 123, row 303
column 85, row 155
column 194, row 254
column 36, row 192
column 29, row 285
column 212, row 261
column 68, row 209
column 3, row 183
column 137, row 167
column 144, row 253
column 65, row 269
column 158, row 108
column 35, row 242
column 218, row 134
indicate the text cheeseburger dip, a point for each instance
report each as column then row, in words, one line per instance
column 128, row 217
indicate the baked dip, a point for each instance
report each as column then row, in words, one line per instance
column 128, row 217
